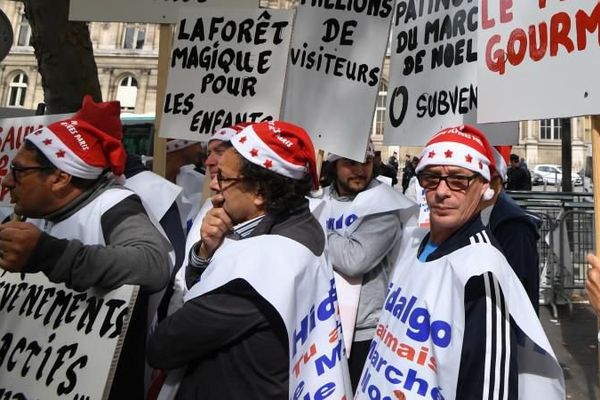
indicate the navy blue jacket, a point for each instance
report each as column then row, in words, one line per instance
column 517, row 234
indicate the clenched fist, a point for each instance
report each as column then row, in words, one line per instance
column 17, row 241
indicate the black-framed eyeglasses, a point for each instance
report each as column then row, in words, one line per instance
column 14, row 169
column 221, row 179
column 456, row 182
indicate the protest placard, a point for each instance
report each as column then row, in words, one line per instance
column 56, row 343
column 227, row 66
column 539, row 59
column 334, row 71
column 12, row 135
column 433, row 73
column 151, row 11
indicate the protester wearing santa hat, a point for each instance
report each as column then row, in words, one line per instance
column 457, row 323
column 82, row 228
column 262, row 297
column 364, row 220
column 217, row 144
column 516, row 231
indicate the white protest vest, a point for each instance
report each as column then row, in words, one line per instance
column 417, row 347
column 191, row 181
column 179, row 285
column 300, row 286
column 345, row 217
column 194, row 234
column 85, row 225
column 157, row 193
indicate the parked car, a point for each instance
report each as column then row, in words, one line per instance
column 552, row 175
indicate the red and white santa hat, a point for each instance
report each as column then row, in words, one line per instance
column 278, row 146
column 178, row 144
column 501, row 167
column 87, row 144
column 225, row 134
column 462, row 146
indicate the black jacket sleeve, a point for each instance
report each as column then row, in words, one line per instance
column 206, row 324
column 518, row 240
column 488, row 364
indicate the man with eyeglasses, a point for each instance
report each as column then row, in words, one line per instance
column 218, row 143
column 82, row 228
column 457, row 323
column 364, row 220
column 260, row 319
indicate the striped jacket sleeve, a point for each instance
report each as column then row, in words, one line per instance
column 488, row 365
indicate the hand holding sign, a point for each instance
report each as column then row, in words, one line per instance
column 17, row 241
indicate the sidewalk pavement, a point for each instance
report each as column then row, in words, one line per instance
column 574, row 341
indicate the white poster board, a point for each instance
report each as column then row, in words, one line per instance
column 522, row 77
column 227, row 66
column 12, row 135
column 433, row 74
column 334, row 72
column 150, row 11
column 57, row 343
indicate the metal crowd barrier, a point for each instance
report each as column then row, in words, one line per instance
column 566, row 236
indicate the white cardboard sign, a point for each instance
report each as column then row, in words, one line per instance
column 12, row 135
column 226, row 67
column 335, row 70
column 433, row 74
column 150, row 11
column 56, row 343
column 539, row 59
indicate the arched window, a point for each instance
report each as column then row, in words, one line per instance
column 23, row 32
column 17, row 89
column 380, row 107
column 127, row 93
column 134, row 36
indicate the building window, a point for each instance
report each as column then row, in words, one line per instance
column 134, row 36
column 23, row 32
column 127, row 93
column 379, row 119
column 550, row 129
column 17, row 89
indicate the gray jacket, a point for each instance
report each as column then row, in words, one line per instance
column 136, row 253
column 369, row 251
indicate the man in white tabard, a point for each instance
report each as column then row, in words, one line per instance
column 217, row 144
column 457, row 323
column 364, row 220
column 260, row 320
column 83, row 229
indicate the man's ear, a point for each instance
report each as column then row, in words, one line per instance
column 60, row 181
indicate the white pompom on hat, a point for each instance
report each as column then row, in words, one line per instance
column 278, row 146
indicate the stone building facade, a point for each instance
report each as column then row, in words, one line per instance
column 126, row 56
column 127, row 60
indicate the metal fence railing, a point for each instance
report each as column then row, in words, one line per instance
column 566, row 236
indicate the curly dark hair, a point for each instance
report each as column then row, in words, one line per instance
column 43, row 161
column 281, row 193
